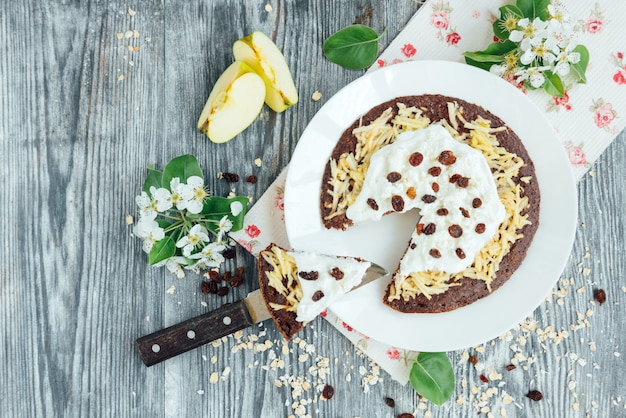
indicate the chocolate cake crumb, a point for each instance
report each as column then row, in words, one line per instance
column 455, row 231
column 317, row 295
column 328, row 392
column 447, row 157
column 389, row 402
column 372, row 204
column 393, row 177
column 480, row 228
column 600, row 296
column 416, row 159
column 309, row 275
column 397, row 203
column 336, row 273
column 434, row 171
column 428, row 198
column 534, row 395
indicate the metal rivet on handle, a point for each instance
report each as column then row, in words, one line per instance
column 226, row 320
column 191, row 334
column 156, row 348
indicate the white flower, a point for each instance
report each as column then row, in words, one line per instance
column 224, row 226
column 533, row 74
column 543, row 50
column 161, row 199
column 498, row 69
column 210, row 256
column 196, row 236
column 236, row 207
column 149, row 231
column 181, row 193
column 557, row 13
column 145, row 206
column 194, row 204
column 174, row 266
column 531, row 33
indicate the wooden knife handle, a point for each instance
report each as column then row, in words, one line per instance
column 190, row 334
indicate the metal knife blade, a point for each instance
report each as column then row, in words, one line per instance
column 195, row 332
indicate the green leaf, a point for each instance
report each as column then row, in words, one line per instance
column 182, row 167
column 581, row 66
column 534, row 8
column 432, row 377
column 161, row 250
column 505, row 11
column 493, row 54
column 153, row 180
column 553, row 84
column 481, row 56
column 215, row 207
column 353, row 47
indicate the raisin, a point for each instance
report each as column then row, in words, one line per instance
column 317, row 295
column 222, row 291
column 455, row 177
column 215, row 276
column 419, row 229
column 227, row 276
column 229, row 253
column 251, row 179
column 434, row 171
column 465, row 212
column 413, row 245
column 393, row 177
column 428, row 198
column 204, row 288
column 406, row 415
column 328, row 392
column 212, row 288
column 397, row 203
column 463, row 182
column 434, row 253
column 416, row 159
column 600, row 296
column 389, row 402
column 240, row 271
column 236, row 281
column 534, row 395
column 309, row 275
column 480, row 228
column 430, row 229
column 447, row 158
column 473, row 359
column 230, row 177
column 372, row 204
column 336, row 273
column 510, row 367
column 476, row 203
column 460, row 253
column 483, row 378
column 411, row 193
column 455, row 231
column 435, row 187
column 442, row 212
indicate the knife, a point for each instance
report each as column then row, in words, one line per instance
column 230, row 318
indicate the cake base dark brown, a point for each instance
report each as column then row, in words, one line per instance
column 285, row 320
column 435, row 107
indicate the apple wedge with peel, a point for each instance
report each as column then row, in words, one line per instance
column 234, row 103
column 262, row 54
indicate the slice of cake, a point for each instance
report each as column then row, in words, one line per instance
column 478, row 199
column 298, row 285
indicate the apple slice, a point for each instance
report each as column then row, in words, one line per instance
column 234, row 103
column 260, row 53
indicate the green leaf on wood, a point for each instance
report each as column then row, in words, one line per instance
column 162, row 250
column 182, row 167
column 216, row 207
column 353, row 47
column 432, row 377
column 154, row 179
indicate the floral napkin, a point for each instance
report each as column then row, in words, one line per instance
column 587, row 118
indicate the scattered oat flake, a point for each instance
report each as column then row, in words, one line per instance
column 268, row 8
column 120, row 77
column 135, row 34
column 171, row 290
column 128, row 34
column 592, row 173
column 129, row 219
column 214, row 378
column 258, row 162
column 119, row 35
column 316, row 96
column 131, row 12
column 586, row 271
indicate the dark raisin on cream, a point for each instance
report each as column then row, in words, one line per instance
column 428, row 198
column 460, row 253
column 434, row 171
column 442, row 212
column 430, row 229
column 372, row 203
column 416, row 159
column 476, row 203
column 455, row 231
column 447, row 157
column 480, row 228
column 463, row 182
column 317, row 295
column 464, row 212
column 393, row 177
column 454, row 178
column 434, row 253
column 397, row 203
column 435, row 187
column 309, row 275
column 336, row 273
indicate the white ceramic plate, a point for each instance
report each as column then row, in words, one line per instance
column 384, row 242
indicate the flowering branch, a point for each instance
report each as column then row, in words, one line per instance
column 536, row 46
column 181, row 226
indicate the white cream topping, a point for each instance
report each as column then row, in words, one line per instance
column 436, row 250
column 311, row 304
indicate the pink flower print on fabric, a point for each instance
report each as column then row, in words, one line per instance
column 604, row 114
column 393, row 353
column 408, row 50
column 439, row 19
column 253, row 231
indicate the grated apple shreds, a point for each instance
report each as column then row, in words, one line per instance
column 284, row 267
column 348, row 174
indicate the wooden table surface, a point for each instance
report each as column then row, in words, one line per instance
column 83, row 112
